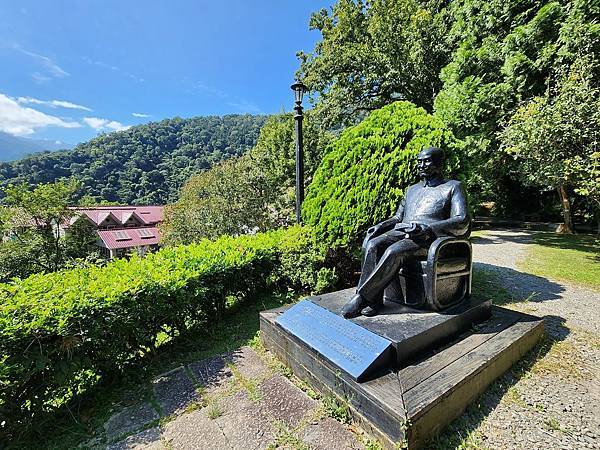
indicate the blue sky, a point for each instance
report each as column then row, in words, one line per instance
column 73, row 68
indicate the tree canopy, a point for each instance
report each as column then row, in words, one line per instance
column 365, row 173
column 477, row 64
column 146, row 164
column 31, row 240
column 254, row 192
column 555, row 139
column 506, row 54
column 373, row 53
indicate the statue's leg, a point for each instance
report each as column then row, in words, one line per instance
column 373, row 248
column 372, row 251
column 372, row 286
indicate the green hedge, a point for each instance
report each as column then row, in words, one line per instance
column 365, row 172
column 60, row 333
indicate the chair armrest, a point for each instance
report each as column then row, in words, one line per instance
column 436, row 247
column 431, row 269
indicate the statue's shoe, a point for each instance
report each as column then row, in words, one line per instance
column 353, row 307
column 371, row 310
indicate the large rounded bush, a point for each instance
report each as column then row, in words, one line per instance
column 364, row 173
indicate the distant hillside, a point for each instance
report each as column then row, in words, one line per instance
column 14, row 147
column 145, row 164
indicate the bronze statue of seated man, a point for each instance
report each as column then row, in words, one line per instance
column 433, row 208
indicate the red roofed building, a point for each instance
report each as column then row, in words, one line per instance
column 123, row 229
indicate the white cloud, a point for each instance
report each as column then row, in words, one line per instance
column 19, row 120
column 141, row 115
column 104, row 124
column 52, row 103
column 245, row 106
column 240, row 104
column 113, row 68
column 210, row 89
column 39, row 78
column 54, row 69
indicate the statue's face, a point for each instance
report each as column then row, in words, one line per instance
column 429, row 164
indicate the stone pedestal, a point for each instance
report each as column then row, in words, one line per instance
column 442, row 363
column 412, row 331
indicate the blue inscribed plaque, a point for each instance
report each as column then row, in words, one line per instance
column 349, row 346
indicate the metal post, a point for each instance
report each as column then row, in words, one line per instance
column 299, row 162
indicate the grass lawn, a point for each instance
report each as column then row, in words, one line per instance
column 571, row 258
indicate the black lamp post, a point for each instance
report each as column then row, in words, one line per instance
column 299, row 89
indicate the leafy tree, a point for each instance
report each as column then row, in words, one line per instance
column 556, row 139
column 146, row 164
column 30, row 221
column 227, row 199
column 374, row 52
column 254, row 192
column 364, row 173
column 506, row 53
column 274, row 156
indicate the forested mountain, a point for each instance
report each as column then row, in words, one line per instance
column 145, row 164
column 15, row 147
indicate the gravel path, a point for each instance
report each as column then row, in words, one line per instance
column 552, row 399
column 500, row 252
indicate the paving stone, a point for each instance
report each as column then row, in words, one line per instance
column 129, row 419
column 244, row 424
column 174, row 391
column 144, row 440
column 327, row 434
column 284, row 401
column 249, row 364
column 194, row 431
column 212, row 373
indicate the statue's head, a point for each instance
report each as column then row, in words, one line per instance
column 431, row 162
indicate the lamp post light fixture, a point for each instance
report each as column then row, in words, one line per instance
column 299, row 89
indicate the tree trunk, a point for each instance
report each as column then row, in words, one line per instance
column 567, row 226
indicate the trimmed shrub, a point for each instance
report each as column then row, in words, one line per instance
column 61, row 333
column 364, row 173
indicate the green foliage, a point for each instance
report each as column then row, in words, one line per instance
column 375, row 52
column 476, row 61
column 556, row 137
column 146, row 164
column 63, row 332
column 364, row 174
column 254, row 192
column 337, row 409
column 506, row 53
column 227, row 199
column 29, row 225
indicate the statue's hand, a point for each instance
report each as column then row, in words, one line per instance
column 419, row 229
column 374, row 229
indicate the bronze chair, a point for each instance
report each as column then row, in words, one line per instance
column 439, row 282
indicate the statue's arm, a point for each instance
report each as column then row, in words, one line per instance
column 396, row 218
column 459, row 221
column 387, row 224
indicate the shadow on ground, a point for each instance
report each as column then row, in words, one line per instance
column 587, row 243
column 504, row 286
column 518, row 286
column 491, row 239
